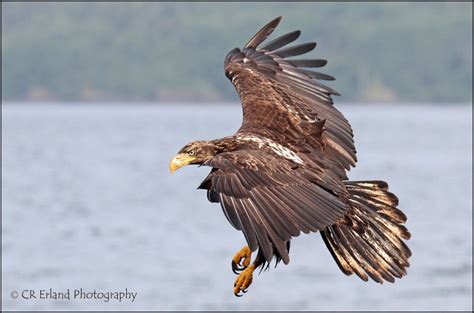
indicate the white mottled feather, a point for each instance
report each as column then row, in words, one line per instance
column 274, row 146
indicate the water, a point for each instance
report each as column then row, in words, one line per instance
column 88, row 202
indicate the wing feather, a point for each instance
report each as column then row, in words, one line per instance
column 280, row 98
column 277, row 203
column 309, row 63
column 281, row 41
column 295, row 50
column 263, row 33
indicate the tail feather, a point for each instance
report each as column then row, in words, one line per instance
column 368, row 241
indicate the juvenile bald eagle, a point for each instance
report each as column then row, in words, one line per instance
column 284, row 171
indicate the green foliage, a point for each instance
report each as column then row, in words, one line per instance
column 175, row 51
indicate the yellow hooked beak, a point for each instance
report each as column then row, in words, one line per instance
column 180, row 160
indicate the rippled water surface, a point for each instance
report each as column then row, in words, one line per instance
column 88, row 202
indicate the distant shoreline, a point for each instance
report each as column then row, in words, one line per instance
column 215, row 103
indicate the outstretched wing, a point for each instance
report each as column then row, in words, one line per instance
column 283, row 100
column 272, row 200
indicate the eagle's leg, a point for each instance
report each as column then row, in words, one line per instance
column 241, row 260
column 243, row 281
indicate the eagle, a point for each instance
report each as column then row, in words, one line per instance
column 284, row 172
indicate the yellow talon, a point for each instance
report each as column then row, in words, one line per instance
column 243, row 281
column 241, row 259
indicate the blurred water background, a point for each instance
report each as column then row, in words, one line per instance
column 88, row 202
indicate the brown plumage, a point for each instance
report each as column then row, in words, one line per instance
column 284, row 171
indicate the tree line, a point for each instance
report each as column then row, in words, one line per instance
column 175, row 51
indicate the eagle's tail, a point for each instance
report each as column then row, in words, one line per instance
column 368, row 241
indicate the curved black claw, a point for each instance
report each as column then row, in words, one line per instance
column 243, row 281
column 241, row 292
column 237, row 268
column 241, row 260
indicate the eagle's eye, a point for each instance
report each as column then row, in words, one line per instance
column 191, row 152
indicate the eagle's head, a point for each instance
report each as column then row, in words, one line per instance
column 196, row 152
